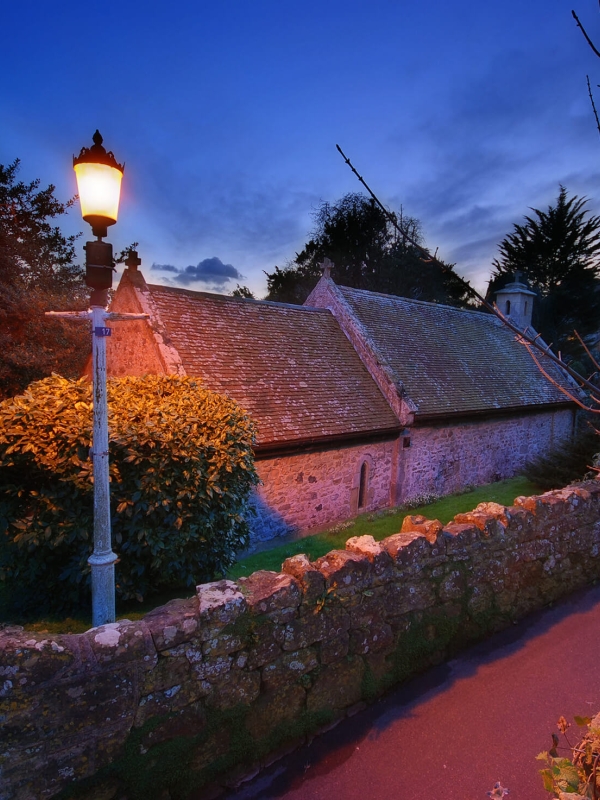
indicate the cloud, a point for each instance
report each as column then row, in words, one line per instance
column 164, row 268
column 211, row 271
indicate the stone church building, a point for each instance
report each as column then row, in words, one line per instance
column 362, row 400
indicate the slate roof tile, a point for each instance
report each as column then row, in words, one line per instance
column 452, row 360
column 290, row 367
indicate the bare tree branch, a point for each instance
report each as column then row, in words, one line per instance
column 592, row 102
column 587, row 350
column 555, row 383
column 583, row 30
column 492, row 308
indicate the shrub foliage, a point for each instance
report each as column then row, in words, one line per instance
column 568, row 462
column 181, row 470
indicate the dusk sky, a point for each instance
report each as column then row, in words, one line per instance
column 227, row 116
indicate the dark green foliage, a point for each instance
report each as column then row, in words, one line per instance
column 557, row 251
column 565, row 463
column 37, row 274
column 243, row 291
column 181, row 471
column 368, row 253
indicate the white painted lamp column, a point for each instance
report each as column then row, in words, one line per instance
column 99, row 182
column 102, row 561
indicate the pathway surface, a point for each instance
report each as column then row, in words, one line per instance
column 453, row 732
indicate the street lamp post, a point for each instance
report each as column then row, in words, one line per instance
column 99, row 178
column 99, row 182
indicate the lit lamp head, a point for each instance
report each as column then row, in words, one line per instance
column 99, row 185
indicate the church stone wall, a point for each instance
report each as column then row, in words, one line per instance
column 314, row 489
column 446, row 458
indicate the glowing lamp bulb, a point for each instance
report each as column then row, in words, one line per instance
column 99, row 185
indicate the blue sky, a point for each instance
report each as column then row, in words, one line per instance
column 227, row 116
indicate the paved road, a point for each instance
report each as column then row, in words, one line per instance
column 452, row 733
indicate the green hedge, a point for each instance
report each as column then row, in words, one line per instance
column 181, row 470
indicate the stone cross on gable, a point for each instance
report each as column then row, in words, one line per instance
column 327, row 266
column 133, row 261
column 518, row 276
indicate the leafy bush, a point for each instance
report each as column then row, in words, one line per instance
column 566, row 463
column 181, row 470
column 576, row 774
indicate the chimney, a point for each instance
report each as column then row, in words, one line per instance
column 515, row 301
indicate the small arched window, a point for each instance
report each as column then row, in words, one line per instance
column 508, row 306
column 525, row 306
column 362, row 489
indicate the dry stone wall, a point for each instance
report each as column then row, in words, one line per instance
column 241, row 671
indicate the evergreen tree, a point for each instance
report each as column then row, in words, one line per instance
column 37, row 274
column 558, row 253
column 368, row 252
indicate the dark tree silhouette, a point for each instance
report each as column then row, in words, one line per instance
column 558, row 252
column 369, row 252
column 37, row 273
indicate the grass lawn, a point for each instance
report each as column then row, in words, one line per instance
column 382, row 524
column 379, row 525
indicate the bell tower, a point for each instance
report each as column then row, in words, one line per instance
column 515, row 301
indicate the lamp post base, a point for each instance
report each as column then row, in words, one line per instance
column 103, row 588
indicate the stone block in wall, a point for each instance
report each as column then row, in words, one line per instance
column 382, row 565
column 335, row 648
column 212, row 748
column 345, row 571
column 276, row 706
column 416, row 523
column 81, row 706
column 189, row 720
column 48, row 773
column 366, row 608
column 275, row 595
column 461, row 540
column 123, row 642
column 169, row 671
column 490, row 518
column 323, row 624
column 237, row 688
column 481, row 600
column 173, row 623
column 373, row 639
column 453, row 584
column 337, row 686
column 30, row 660
column 168, row 701
column 289, row 667
column 411, row 552
column 222, row 644
column 521, row 526
column 536, row 550
column 584, row 539
column 219, row 604
column 309, row 577
column 207, row 668
column 551, row 506
column 264, row 645
column 409, row 596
